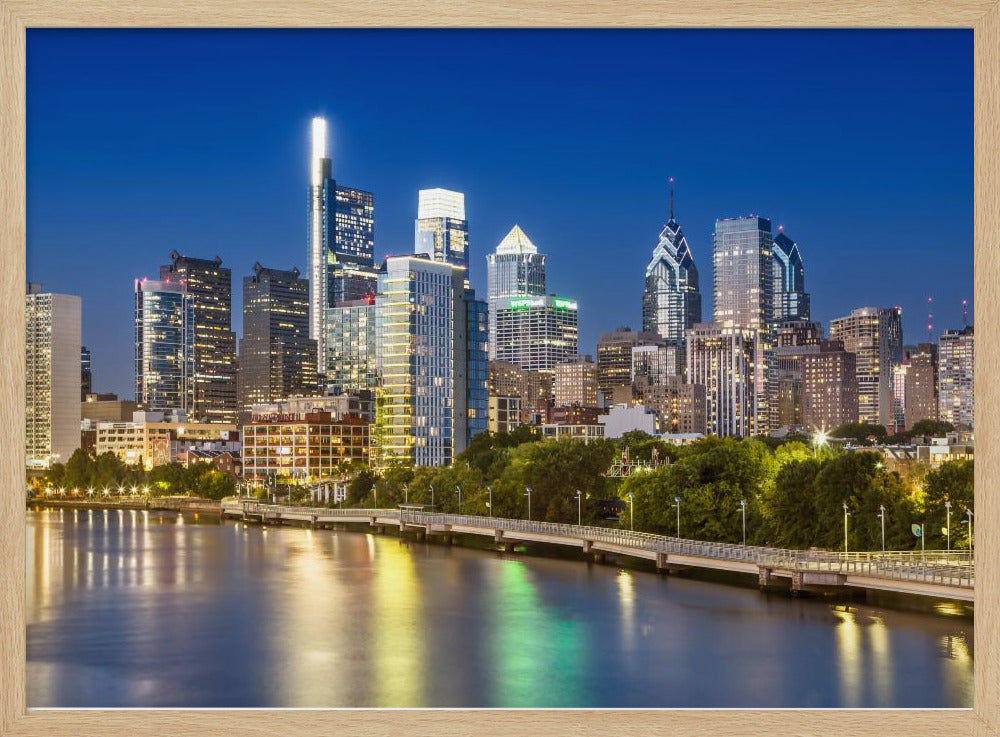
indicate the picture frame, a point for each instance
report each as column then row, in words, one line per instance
column 16, row 16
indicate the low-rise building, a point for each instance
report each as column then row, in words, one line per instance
column 586, row 433
column 504, row 414
column 157, row 438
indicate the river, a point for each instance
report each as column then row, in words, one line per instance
column 156, row 609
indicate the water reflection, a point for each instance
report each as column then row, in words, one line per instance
column 155, row 609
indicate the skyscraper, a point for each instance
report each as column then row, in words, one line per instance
column 744, row 295
column 277, row 356
column 720, row 357
column 535, row 332
column 441, row 230
column 875, row 336
column 671, row 301
column 426, row 362
column 164, row 345
column 829, row 389
column 210, row 287
column 956, row 377
column 52, row 373
column 614, row 357
column 516, row 269
column 576, row 382
column 350, row 353
column 791, row 301
column 341, row 241
column 921, row 384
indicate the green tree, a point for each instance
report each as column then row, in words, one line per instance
column 950, row 482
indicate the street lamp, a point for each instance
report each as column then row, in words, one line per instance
column 489, row 490
column 459, row 488
column 375, row 492
column 846, row 515
column 631, row 511
column 432, row 496
column 947, row 507
column 881, row 516
column 528, row 494
column 819, row 439
column 406, row 493
column 677, row 503
column 579, row 507
column 743, row 508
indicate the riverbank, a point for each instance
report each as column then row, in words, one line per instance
column 172, row 504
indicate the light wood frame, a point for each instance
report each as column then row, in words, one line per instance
column 16, row 15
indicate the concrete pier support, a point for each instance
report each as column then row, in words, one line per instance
column 508, row 546
column 763, row 577
column 498, row 536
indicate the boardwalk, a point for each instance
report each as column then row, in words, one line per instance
column 939, row 574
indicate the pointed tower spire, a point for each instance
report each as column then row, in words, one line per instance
column 671, row 181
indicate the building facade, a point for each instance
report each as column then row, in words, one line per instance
column 575, row 382
column 614, row 356
column 306, row 448
column 52, row 374
column 441, row 230
column 164, row 345
column 350, row 355
column 956, row 377
column 277, row 356
column 829, row 391
column 535, row 333
column 210, row 286
column 679, row 407
column 721, row 357
column 86, row 373
column 920, row 396
column 534, row 389
column 152, row 439
column 875, row 336
column 791, row 301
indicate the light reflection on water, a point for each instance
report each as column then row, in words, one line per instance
column 150, row 609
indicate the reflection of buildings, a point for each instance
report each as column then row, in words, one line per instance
column 52, row 411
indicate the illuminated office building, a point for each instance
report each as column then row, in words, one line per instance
column 614, row 357
column 875, row 336
column 791, row 301
column 210, row 287
column 442, row 232
column 516, row 269
column 86, row 373
column 535, row 333
column 52, row 373
column 956, row 377
column 575, row 382
column 920, row 394
column 350, row 355
column 164, row 345
column 671, row 301
column 720, row 357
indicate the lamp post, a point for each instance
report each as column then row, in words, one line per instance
column 631, row 511
column 579, row 508
column 677, row 503
column 458, row 488
column 406, row 493
column 743, row 508
column 432, row 495
column 881, row 516
column 375, row 492
column 489, row 490
column 528, row 494
column 947, row 508
column 846, row 515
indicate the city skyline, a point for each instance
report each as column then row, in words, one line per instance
column 836, row 219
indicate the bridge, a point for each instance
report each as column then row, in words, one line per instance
column 933, row 573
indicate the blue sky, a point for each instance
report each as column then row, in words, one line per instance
column 859, row 142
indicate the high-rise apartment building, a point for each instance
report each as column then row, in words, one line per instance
column 721, row 357
column 653, row 363
column 210, row 287
column 432, row 371
column 532, row 388
column 164, row 345
column 535, row 332
column 956, row 378
column 791, row 301
column 277, row 356
column 920, row 395
column 829, row 389
column 341, row 241
column 350, row 352
column 575, row 382
column 441, row 230
column 875, row 336
column 52, row 373
column 516, row 269
column 680, row 407
column 614, row 356
column 671, row 301
column 743, row 282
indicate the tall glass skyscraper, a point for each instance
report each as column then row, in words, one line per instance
column 210, row 286
column 164, row 345
column 516, row 269
column 441, row 230
column 350, row 353
column 671, row 301
column 341, row 241
column 791, row 301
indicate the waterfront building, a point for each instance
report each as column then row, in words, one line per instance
column 210, row 286
column 86, row 374
column 504, row 414
column 956, row 396
column 341, row 241
column 875, row 336
column 303, row 448
column 52, row 374
column 791, row 301
column 277, row 356
column 441, row 230
column 575, row 382
column 721, row 357
column 164, row 345
column 152, row 439
column 743, row 283
column 829, row 389
column 679, row 407
column 671, row 300
column 535, row 333
column 920, row 397
column 614, row 356
column 432, row 392
column 351, row 347
column 516, row 269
